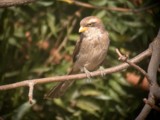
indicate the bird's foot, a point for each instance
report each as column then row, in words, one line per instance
column 88, row 74
column 102, row 73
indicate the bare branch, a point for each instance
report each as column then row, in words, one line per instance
column 125, row 59
column 117, row 68
column 151, row 104
column 30, row 94
column 86, row 5
column 152, row 73
column 8, row 3
column 146, row 109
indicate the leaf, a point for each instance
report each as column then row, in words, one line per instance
column 73, row 37
column 117, row 87
column 101, row 14
column 88, row 106
column 21, row 111
column 11, row 74
column 46, row 3
column 59, row 102
column 12, row 41
column 51, row 23
column 98, row 2
column 90, row 92
column 104, row 97
column 40, row 69
column 114, row 95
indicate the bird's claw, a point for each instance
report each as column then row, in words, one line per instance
column 88, row 74
column 102, row 73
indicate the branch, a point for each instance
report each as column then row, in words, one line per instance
column 151, row 104
column 117, row 68
column 30, row 94
column 86, row 5
column 8, row 3
column 154, row 93
column 125, row 59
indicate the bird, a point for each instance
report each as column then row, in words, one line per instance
column 89, row 52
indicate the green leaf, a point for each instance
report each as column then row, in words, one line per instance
column 73, row 37
column 88, row 106
column 90, row 92
column 98, row 2
column 45, row 3
column 13, row 41
column 59, row 102
column 21, row 111
column 51, row 23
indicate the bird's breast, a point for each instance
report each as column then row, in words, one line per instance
column 90, row 54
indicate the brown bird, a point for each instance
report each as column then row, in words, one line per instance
column 89, row 53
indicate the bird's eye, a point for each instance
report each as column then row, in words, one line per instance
column 90, row 24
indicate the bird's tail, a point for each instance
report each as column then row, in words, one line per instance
column 59, row 89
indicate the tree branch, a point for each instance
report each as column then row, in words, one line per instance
column 120, row 9
column 153, row 106
column 125, row 59
column 30, row 94
column 154, row 93
column 117, row 68
column 8, row 3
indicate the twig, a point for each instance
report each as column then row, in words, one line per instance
column 30, row 94
column 125, row 59
column 151, row 104
column 8, row 3
column 82, row 4
column 117, row 68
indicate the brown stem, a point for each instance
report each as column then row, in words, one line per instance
column 151, row 104
column 125, row 59
column 117, row 68
column 8, row 3
column 30, row 94
column 152, row 73
column 86, row 5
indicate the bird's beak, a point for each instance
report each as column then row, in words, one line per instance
column 82, row 29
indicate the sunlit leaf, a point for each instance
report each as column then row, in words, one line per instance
column 45, row 3
column 88, row 106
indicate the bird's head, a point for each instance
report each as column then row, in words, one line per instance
column 90, row 24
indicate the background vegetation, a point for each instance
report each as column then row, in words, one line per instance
column 37, row 40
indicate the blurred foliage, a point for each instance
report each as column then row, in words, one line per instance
column 37, row 40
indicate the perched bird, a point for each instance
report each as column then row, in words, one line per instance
column 89, row 53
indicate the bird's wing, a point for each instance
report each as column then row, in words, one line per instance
column 77, row 49
column 106, row 42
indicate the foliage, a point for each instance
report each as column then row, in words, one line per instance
column 37, row 40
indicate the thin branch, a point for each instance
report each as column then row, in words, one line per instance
column 151, row 104
column 8, row 3
column 30, row 94
column 117, row 68
column 86, row 5
column 125, row 59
